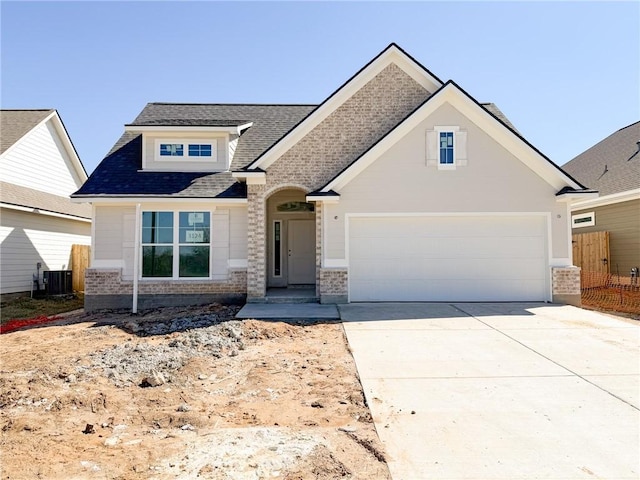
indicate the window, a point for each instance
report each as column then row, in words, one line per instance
column 194, row 151
column 199, row 150
column 446, row 147
column 277, row 248
column 171, row 149
column 445, row 156
column 583, row 220
column 176, row 253
column 295, row 207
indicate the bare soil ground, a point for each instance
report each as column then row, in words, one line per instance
column 183, row 393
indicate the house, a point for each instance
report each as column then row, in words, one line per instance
column 612, row 167
column 398, row 187
column 39, row 169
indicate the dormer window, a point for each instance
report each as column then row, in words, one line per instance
column 197, row 150
column 171, row 149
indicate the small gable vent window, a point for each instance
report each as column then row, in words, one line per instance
column 191, row 151
column 446, row 147
column 583, row 220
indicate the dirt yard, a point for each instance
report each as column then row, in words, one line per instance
column 183, row 393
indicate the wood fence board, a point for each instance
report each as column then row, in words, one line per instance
column 79, row 262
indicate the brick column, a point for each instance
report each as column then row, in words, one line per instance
column 319, row 246
column 566, row 285
column 256, row 248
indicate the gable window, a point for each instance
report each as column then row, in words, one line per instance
column 446, row 147
column 583, row 220
column 189, row 150
column 183, row 252
column 445, row 156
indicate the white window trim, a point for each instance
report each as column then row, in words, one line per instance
column 446, row 129
column 176, row 247
column 580, row 216
column 185, row 143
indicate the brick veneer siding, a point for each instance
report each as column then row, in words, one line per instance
column 566, row 285
column 104, row 288
column 349, row 131
column 321, row 154
column 333, row 285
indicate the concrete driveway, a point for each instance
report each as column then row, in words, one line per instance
column 500, row 391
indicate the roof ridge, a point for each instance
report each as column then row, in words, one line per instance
column 630, row 125
column 27, row 109
column 237, row 104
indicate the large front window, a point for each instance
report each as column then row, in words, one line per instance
column 168, row 252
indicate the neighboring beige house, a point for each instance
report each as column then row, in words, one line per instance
column 39, row 169
column 398, row 187
column 612, row 167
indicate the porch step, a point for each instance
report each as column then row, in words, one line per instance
column 280, row 300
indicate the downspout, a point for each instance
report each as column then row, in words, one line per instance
column 136, row 260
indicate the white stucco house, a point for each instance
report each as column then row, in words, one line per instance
column 398, row 187
column 39, row 169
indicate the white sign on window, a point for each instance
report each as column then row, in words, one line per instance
column 195, row 218
column 195, row 236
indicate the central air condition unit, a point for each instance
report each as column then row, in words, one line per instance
column 58, row 282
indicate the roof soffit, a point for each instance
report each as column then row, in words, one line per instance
column 392, row 54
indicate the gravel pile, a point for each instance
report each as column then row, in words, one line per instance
column 184, row 338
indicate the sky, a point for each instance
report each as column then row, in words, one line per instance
column 566, row 74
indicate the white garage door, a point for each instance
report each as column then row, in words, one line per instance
column 479, row 258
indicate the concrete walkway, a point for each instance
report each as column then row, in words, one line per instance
column 294, row 311
column 500, row 391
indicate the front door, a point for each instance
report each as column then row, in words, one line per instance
column 301, row 252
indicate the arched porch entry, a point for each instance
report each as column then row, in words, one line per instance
column 291, row 240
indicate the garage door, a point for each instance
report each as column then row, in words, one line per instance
column 479, row 258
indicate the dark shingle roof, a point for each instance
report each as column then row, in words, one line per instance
column 14, row 124
column 493, row 108
column 612, row 165
column 119, row 173
column 30, row 198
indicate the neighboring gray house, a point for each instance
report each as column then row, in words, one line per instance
column 39, row 169
column 612, row 167
column 398, row 187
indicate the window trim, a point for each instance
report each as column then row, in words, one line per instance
column 446, row 129
column 581, row 216
column 175, row 245
column 185, row 142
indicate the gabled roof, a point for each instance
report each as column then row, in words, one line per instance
column 492, row 124
column 15, row 124
column 392, row 54
column 29, row 198
column 612, row 165
column 119, row 173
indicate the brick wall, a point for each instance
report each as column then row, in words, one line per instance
column 565, row 283
column 109, row 282
column 333, row 285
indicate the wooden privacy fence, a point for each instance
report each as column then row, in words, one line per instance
column 591, row 254
column 79, row 262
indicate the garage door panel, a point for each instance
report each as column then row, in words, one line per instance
column 447, row 258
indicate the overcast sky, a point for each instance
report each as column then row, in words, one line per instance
column 566, row 74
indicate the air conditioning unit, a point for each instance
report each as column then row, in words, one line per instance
column 58, row 282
